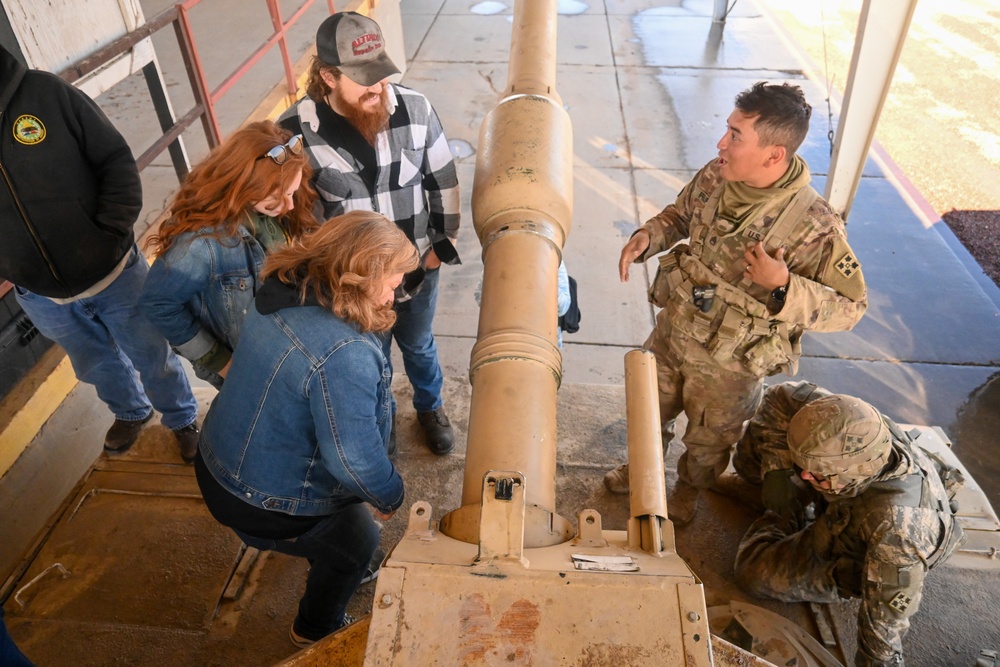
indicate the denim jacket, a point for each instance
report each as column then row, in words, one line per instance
column 198, row 292
column 301, row 425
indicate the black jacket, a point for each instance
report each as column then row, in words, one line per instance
column 69, row 186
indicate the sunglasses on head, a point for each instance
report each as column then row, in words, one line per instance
column 280, row 153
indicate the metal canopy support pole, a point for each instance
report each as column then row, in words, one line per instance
column 882, row 29
column 720, row 11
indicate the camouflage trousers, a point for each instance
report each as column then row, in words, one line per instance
column 782, row 560
column 718, row 401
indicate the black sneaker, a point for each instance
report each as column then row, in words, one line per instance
column 304, row 642
column 440, row 436
column 123, row 434
column 187, row 440
column 299, row 640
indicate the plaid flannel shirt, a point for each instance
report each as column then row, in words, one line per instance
column 416, row 181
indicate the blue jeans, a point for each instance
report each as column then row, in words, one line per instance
column 111, row 345
column 414, row 334
column 10, row 655
column 339, row 549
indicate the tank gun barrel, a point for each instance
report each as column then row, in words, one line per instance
column 522, row 207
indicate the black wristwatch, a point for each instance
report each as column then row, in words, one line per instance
column 779, row 293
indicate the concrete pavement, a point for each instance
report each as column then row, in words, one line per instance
column 648, row 85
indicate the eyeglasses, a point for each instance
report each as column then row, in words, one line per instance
column 280, row 153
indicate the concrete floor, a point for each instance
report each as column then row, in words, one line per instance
column 648, row 86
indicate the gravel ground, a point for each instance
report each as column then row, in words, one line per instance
column 978, row 232
column 939, row 121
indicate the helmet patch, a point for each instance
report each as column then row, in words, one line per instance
column 853, row 443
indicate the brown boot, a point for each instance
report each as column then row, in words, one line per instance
column 187, row 440
column 616, row 479
column 682, row 503
column 123, row 434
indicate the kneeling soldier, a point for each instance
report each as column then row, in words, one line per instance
column 874, row 518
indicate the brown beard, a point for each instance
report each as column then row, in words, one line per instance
column 367, row 123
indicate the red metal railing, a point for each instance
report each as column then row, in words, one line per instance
column 210, row 98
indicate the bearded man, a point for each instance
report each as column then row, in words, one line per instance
column 378, row 146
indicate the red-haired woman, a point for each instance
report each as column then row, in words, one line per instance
column 249, row 196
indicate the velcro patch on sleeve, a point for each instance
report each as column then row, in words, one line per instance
column 848, row 265
column 900, row 602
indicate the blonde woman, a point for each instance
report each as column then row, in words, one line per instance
column 296, row 441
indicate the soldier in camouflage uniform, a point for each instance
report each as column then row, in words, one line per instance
column 882, row 512
column 764, row 258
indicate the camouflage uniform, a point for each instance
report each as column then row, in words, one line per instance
column 877, row 544
column 711, row 361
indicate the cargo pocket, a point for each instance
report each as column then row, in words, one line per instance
column 732, row 334
column 767, row 354
column 668, row 278
column 685, row 318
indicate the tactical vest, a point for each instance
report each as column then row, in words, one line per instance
column 928, row 489
column 732, row 323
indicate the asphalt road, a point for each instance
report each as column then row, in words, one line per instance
column 940, row 119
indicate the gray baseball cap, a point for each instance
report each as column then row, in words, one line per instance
column 353, row 43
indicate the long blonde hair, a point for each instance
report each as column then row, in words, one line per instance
column 344, row 264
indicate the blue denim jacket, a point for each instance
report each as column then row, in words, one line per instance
column 302, row 423
column 198, row 292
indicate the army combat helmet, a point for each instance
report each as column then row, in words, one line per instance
column 841, row 438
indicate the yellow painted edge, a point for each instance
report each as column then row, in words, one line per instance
column 28, row 421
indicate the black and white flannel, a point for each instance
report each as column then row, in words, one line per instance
column 416, row 185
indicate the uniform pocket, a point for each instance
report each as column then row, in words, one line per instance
column 668, row 277
column 731, row 334
column 766, row 355
column 410, row 161
column 237, row 295
column 332, row 185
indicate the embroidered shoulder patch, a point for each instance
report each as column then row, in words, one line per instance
column 900, row 602
column 29, row 130
column 848, row 265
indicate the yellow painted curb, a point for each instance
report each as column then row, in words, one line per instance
column 28, row 421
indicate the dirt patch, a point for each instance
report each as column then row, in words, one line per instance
column 979, row 232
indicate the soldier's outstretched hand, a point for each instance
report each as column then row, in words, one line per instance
column 635, row 247
column 768, row 272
